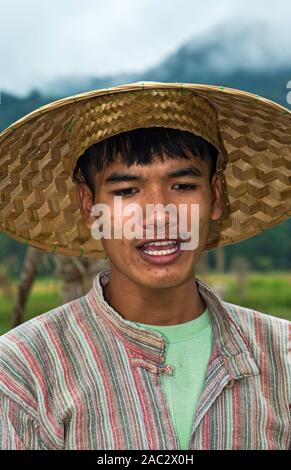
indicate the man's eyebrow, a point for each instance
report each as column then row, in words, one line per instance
column 189, row 171
column 118, row 177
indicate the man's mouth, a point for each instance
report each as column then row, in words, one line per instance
column 160, row 251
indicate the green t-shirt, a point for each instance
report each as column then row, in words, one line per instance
column 188, row 350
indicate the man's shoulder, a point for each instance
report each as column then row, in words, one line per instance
column 260, row 326
column 27, row 351
column 34, row 337
column 242, row 312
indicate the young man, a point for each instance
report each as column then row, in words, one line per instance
column 151, row 357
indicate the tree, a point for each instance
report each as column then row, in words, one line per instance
column 76, row 274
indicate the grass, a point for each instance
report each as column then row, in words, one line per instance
column 267, row 292
column 45, row 295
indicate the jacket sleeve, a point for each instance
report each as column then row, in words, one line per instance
column 18, row 430
column 28, row 419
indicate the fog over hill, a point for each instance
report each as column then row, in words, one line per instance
column 251, row 56
column 232, row 49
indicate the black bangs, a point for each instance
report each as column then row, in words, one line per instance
column 141, row 146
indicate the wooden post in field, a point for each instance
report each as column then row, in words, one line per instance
column 240, row 268
column 219, row 260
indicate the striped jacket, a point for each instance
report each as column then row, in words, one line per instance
column 83, row 377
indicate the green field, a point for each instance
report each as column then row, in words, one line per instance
column 269, row 293
column 44, row 296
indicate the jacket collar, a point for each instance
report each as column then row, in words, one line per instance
column 148, row 347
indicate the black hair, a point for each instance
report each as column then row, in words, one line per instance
column 141, row 146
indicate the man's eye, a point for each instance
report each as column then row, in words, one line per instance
column 185, row 187
column 125, row 192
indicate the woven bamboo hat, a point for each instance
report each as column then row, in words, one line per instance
column 38, row 153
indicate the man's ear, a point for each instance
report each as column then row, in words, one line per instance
column 85, row 199
column 216, row 197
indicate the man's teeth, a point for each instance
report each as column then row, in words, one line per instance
column 161, row 252
column 166, row 242
column 161, row 243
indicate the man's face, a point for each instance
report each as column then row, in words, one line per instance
column 168, row 182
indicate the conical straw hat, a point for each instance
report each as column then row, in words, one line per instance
column 38, row 153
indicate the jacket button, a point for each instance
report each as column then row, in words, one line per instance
column 230, row 383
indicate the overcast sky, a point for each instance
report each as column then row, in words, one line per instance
column 44, row 39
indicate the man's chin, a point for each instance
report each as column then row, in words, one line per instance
column 163, row 278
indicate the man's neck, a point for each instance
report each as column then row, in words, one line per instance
column 166, row 306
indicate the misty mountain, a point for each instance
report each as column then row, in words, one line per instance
column 247, row 56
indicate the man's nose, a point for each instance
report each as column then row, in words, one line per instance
column 159, row 212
